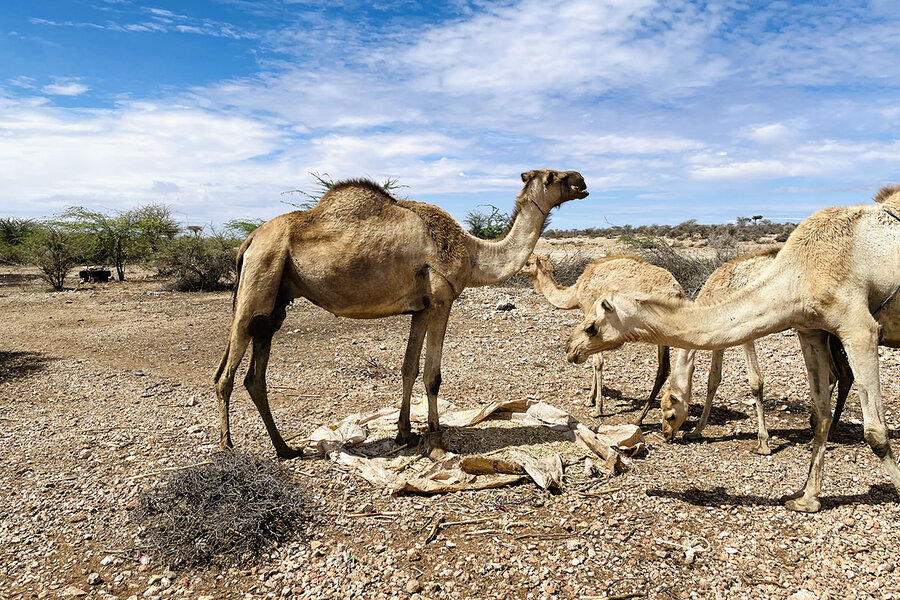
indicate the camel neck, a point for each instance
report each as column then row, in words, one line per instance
column 494, row 261
column 761, row 308
column 557, row 295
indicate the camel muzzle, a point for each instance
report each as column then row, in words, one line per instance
column 575, row 355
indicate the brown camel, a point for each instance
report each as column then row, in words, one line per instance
column 839, row 272
column 610, row 273
column 676, row 399
column 361, row 253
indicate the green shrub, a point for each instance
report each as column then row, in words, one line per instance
column 198, row 263
column 55, row 251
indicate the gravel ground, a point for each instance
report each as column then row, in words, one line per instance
column 106, row 382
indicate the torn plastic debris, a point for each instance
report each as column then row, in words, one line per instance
column 455, row 473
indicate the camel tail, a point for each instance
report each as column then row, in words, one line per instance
column 239, row 263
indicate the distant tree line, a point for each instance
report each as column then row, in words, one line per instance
column 196, row 258
column 744, row 229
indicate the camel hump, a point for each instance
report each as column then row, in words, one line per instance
column 358, row 198
column 443, row 229
column 889, row 194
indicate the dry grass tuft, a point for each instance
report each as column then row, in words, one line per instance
column 227, row 512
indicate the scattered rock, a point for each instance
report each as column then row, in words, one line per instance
column 413, row 586
column 94, row 579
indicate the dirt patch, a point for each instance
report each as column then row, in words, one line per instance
column 108, row 381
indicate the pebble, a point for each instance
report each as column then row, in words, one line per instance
column 413, row 586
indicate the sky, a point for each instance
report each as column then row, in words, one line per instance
column 671, row 109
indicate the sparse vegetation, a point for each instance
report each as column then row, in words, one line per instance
column 198, row 263
column 14, row 236
column 487, row 226
column 55, row 251
column 226, row 512
column 745, row 229
column 690, row 269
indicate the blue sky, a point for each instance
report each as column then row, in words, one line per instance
column 671, row 109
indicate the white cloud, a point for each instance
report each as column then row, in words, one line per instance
column 769, row 134
column 65, row 86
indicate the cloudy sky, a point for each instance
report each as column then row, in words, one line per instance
column 671, row 109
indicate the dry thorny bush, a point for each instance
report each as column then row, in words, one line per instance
column 226, row 512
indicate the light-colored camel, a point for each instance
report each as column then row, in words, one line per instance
column 839, row 272
column 676, row 399
column 610, row 273
column 361, row 253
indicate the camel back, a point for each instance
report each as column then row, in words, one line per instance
column 734, row 275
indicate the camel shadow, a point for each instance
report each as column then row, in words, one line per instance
column 474, row 440
column 17, row 279
column 718, row 497
column 17, row 365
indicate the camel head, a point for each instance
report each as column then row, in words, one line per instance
column 548, row 188
column 675, row 412
column 606, row 327
column 536, row 262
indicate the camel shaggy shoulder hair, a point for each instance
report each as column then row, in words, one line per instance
column 611, row 273
column 361, row 253
column 675, row 402
column 838, row 273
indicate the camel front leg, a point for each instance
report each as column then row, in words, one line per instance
column 255, row 382
column 595, row 400
column 755, row 376
column 410, row 372
column 814, row 344
column 434, row 346
column 712, row 385
column 861, row 344
column 662, row 372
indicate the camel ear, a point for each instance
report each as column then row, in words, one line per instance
column 527, row 176
column 606, row 305
column 549, row 176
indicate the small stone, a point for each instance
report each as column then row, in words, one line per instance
column 803, row 595
column 139, row 373
column 689, row 556
column 94, row 579
column 848, row 521
column 73, row 591
column 413, row 554
column 413, row 586
column 206, row 598
column 505, row 306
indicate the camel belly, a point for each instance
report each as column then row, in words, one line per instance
column 364, row 289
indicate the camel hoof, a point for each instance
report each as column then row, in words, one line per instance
column 408, row 439
column 287, row 453
column 805, row 505
column 433, row 446
column 692, row 435
column 596, row 413
column 226, row 446
column 762, row 449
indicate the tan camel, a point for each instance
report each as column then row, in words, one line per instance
column 610, row 273
column 838, row 272
column 361, row 253
column 676, row 399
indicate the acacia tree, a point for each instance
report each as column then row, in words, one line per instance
column 487, row 226
column 55, row 251
column 123, row 236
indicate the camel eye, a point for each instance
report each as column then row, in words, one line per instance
column 591, row 329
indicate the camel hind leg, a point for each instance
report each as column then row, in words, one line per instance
column 844, row 375
column 662, row 372
column 712, row 386
column 238, row 341
column 595, row 400
column 262, row 328
column 861, row 345
column 755, row 377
